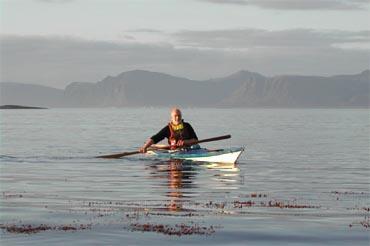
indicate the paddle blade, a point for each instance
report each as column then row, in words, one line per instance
column 119, row 155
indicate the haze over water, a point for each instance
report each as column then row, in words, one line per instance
column 303, row 179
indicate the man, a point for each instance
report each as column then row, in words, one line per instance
column 179, row 133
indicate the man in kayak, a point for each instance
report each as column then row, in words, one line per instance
column 179, row 133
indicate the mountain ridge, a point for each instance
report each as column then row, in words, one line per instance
column 243, row 88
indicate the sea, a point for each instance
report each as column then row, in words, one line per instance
column 303, row 178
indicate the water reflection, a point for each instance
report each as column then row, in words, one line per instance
column 183, row 180
column 176, row 176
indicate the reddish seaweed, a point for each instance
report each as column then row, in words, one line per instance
column 211, row 204
column 174, row 214
column 240, row 204
column 8, row 195
column 364, row 223
column 253, row 195
column 178, row 229
column 30, row 229
column 270, row 204
column 348, row 193
column 258, row 195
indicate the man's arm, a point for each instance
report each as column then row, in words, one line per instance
column 192, row 137
column 187, row 142
column 155, row 139
column 192, row 134
column 147, row 144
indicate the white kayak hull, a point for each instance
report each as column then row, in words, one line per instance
column 202, row 155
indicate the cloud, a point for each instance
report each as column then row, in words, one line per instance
column 57, row 61
column 257, row 38
column 298, row 4
column 56, row 1
column 145, row 30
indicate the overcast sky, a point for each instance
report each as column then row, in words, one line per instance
column 56, row 42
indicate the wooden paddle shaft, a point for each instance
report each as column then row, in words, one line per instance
column 164, row 147
column 213, row 139
column 197, row 142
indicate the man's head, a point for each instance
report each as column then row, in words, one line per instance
column 176, row 117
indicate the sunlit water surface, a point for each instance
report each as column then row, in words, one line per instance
column 303, row 179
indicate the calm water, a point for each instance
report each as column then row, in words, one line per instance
column 304, row 178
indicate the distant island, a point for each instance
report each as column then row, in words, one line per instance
column 243, row 89
column 19, row 107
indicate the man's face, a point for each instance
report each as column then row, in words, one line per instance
column 176, row 117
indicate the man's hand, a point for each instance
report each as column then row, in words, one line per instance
column 180, row 143
column 188, row 142
column 146, row 146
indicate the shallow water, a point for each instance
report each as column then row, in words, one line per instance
column 303, row 179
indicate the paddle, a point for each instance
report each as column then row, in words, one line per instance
column 162, row 147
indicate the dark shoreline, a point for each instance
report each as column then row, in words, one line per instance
column 19, row 107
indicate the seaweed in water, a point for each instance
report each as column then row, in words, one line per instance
column 178, row 229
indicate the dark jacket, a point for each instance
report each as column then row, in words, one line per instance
column 188, row 133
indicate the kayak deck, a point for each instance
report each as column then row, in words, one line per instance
column 230, row 155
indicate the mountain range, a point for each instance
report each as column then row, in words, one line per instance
column 139, row 88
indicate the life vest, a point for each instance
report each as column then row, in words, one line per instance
column 176, row 134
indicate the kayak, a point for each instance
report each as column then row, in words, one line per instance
column 168, row 153
column 229, row 155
